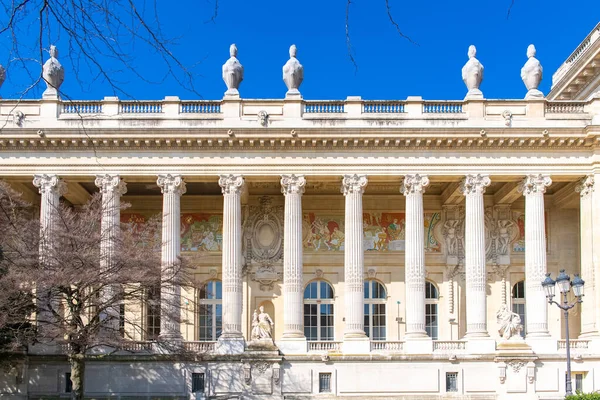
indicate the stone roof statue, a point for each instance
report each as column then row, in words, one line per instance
column 531, row 73
column 2, row 76
column 293, row 73
column 233, row 72
column 53, row 74
column 472, row 75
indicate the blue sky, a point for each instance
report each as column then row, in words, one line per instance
column 389, row 67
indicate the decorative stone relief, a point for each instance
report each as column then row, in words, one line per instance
column 233, row 72
column 266, row 275
column 264, row 233
column 49, row 183
column 276, row 374
column 530, row 371
column 472, row 75
column 531, row 73
column 586, row 186
column 502, row 372
column 319, row 274
column 293, row 73
column 371, row 273
column 453, row 232
column 53, row 74
column 516, row 365
column 507, row 115
column 263, row 118
column 535, row 184
column 18, row 117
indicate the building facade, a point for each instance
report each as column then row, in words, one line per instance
column 386, row 240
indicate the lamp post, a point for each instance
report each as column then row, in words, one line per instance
column 564, row 285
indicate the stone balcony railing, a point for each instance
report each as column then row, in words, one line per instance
column 577, row 54
column 172, row 112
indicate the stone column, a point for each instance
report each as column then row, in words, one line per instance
column 473, row 187
column 589, row 327
column 172, row 187
column 231, row 186
column 51, row 187
column 292, row 187
column 533, row 188
column 112, row 188
column 413, row 188
column 353, row 187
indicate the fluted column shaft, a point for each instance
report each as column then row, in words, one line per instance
column 413, row 188
column 112, row 188
column 172, row 187
column 586, row 191
column 533, row 188
column 353, row 187
column 473, row 187
column 231, row 186
column 51, row 187
column 292, row 186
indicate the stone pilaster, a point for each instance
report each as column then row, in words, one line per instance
column 589, row 325
column 292, row 187
column 172, row 187
column 112, row 188
column 353, row 187
column 533, row 188
column 232, row 186
column 473, row 187
column 51, row 187
column 413, row 188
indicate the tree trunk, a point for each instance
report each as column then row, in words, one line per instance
column 77, row 375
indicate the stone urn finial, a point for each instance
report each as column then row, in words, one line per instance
column 531, row 73
column 53, row 74
column 293, row 73
column 233, row 72
column 2, row 76
column 472, row 75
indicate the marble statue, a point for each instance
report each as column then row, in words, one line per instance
column 2, row 76
column 451, row 238
column 233, row 72
column 472, row 75
column 293, row 73
column 531, row 73
column 262, row 325
column 53, row 74
column 509, row 323
column 504, row 236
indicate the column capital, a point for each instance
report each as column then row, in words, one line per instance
column 171, row 184
column 292, row 184
column 534, row 183
column 111, row 184
column 474, row 184
column 414, row 184
column 354, row 184
column 585, row 186
column 49, row 183
column 231, row 184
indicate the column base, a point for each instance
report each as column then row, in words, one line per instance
column 293, row 345
column 417, row 344
column 542, row 344
column 480, row 344
column 356, row 345
column 230, row 345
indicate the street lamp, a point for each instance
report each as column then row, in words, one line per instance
column 564, row 285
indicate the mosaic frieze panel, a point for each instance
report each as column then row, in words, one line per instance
column 201, row 232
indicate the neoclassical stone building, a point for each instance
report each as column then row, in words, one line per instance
column 383, row 238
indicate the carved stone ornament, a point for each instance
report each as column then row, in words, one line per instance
column 171, row 184
column 263, row 118
column 531, row 73
column 111, row 184
column 247, row 368
column 53, row 74
column 414, row 184
column 507, row 115
column 213, row 273
column 502, row 372
column 534, row 184
column 264, row 233
column 516, row 365
column 475, row 184
column 231, row 184
column 293, row 73
column 276, row 374
column 354, row 184
column 18, row 117
column 472, row 75
column 319, row 273
column 531, row 372
column 292, row 184
column 49, row 183
column 266, row 275
column 233, row 72
column 586, row 186
column 2, row 76
column 371, row 273
column 509, row 323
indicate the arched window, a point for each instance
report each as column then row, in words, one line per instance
column 518, row 302
column 210, row 311
column 318, row 311
column 375, row 310
column 431, row 310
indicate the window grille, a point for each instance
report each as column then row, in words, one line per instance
column 325, row 382
column 197, row 382
column 451, row 381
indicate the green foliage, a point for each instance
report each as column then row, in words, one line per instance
column 584, row 396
